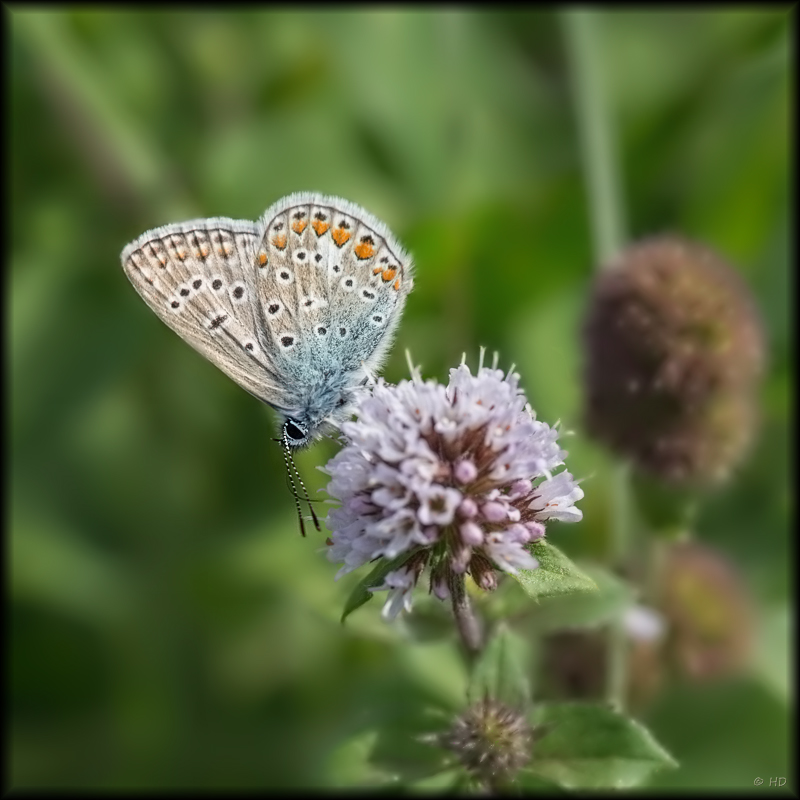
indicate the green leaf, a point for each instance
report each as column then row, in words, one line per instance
column 595, row 747
column 584, row 609
column 348, row 764
column 501, row 672
column 407, row 747
column 555, row 575
column 451, row 779
column 530, row 781
column 361, row 593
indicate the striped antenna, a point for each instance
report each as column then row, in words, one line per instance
column 293, row 472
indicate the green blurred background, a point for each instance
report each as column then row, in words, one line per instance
column 169, row 627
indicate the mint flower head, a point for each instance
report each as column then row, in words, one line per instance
column 459, row 477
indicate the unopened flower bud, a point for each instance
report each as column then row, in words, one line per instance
column 471, row 534
column 465, row 472
column 518, row 533
column 520, row 488
column 460, row 554
column 468, row 508
column 494, row 512
column 440, row 581
column 535, row 530
column 483, row 573
column 492, row 741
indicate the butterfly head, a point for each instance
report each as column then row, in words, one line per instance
column 301, row 429
column 294, row 434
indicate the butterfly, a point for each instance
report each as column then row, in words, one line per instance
column 299, row 308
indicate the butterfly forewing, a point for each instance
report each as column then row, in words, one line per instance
column 198, row 278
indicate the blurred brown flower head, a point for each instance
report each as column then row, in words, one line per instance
column 709, row 612
column 674, row 348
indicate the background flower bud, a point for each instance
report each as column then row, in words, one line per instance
column 673, row 352
column 709, row 612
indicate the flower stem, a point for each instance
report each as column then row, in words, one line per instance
column 469, row 627
column 608, row 231
column 621, row 540
column 596, row 134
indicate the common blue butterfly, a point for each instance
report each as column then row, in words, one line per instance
column 299, row 307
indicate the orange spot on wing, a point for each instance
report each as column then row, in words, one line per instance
column 397, row 285
column 299, row 225
column 181, row 254
column 388, row 274
column 279, row 241
column 340, row 236
column 320, row 227
column 364, row 250
column 377, row 270
column 262, row 259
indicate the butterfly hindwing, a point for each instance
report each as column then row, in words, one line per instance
column 332, row 283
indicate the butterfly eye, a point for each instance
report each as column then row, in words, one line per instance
column 293, row 431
